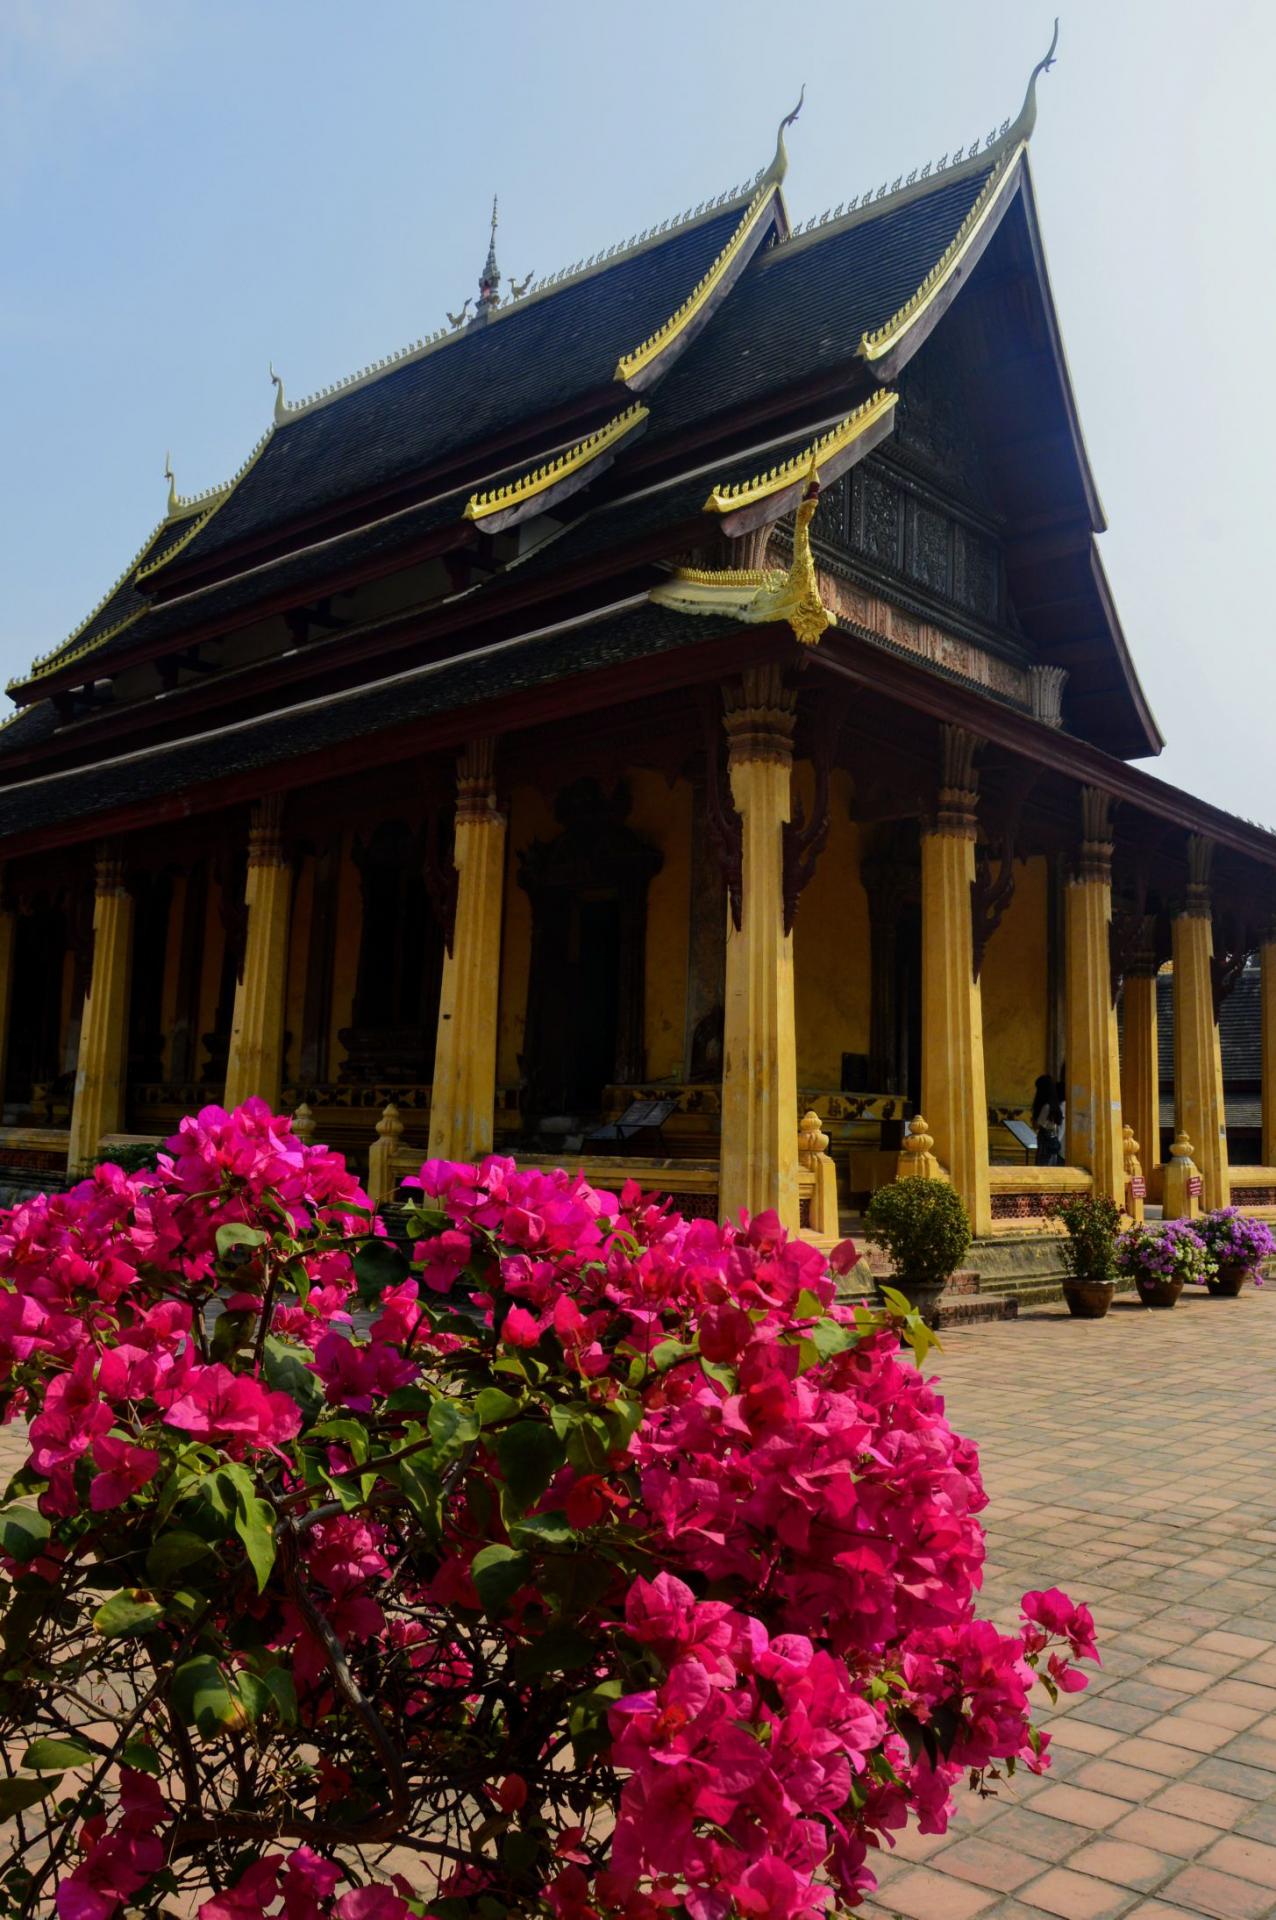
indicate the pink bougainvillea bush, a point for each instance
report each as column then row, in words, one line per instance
column 591, row 1562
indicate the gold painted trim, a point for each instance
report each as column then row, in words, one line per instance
column 879, row 342
column 730, row 496
column 179, row 546
column 758, row 596
column 540, row 479
column 651, row 348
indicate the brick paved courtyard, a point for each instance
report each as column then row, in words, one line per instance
column 1133, row 1462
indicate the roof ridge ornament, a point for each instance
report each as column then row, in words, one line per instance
column 172, row 484
column 281, row 405
column 1027, row 120
column 779, row 166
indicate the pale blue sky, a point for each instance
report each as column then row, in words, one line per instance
column 191, row 187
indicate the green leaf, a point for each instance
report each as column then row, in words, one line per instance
column 808, row 1305
column 543, row 1529
column 17, row 1795
column 141, row 1758
column 23, row 1531
column 230, row 1332
column 498, row 1574
column 668, row 1353
column 255, row 1525
column 530, row 1454
column 715, row 1370
column 172, row 1553
column 201, row 1695
column 452, row 1426
column 377, row 1265
column 285, row 1370
column 284, row 1695
column 897, row 1301
column 622, row 1419
column 491, row 1404
column 560, row 1649
column 55, row 1756
column 589, row 1444
column 126, row 1613
column 422, row 1489
column 234, row 1233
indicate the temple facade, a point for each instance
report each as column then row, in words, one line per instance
column 672, row 720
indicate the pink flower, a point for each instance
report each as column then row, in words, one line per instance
column 122, row 1470
column 521, row 1328
column 216, row 1404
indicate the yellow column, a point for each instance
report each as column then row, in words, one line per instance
column 464, row 1095
column 954, row 1095
column 100, row 1068
column 1093, row 1089
column 1140, row 1071
column 1199, row 1110
column 759, row 1148
column 1267, row 979
column 254, row 1064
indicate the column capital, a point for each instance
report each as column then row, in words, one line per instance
column 476, row 783
column 1094, row 860
column 108, row 867
column 1200, row 858
column 265, row 832
column 759, row 715
column 958, row 799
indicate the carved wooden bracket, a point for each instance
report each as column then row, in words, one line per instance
column 440, row 876
column 804, row 841
column 990, row 894
column 724, row 825
column 1233, row 946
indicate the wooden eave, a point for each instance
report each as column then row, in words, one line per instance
column 347, row 658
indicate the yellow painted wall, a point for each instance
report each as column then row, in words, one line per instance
column 1014, row 981
column 831, row 945
column 531, row 817
column 662, row 814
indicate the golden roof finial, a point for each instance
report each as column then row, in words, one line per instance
column 780, row 164
column 172, row 483
column 1027, row 120
column 281, row 410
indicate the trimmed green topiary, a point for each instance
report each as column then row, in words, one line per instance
column 923, row 1226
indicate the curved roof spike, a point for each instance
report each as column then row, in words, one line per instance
column 779, row 166
column 172, row 484
column 1027, row 120
column 281, row 408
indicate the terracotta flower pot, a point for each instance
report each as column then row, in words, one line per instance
column 1088, row 1299
column 1228, row 1281
column 1154, row 1291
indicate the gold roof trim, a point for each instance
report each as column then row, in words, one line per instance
column 654, row 345
column 730, row 496
column 875, row 344
column 538, row 480
column 209, row 508
column 759, row 596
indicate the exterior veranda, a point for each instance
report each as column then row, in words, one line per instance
column 768, row 892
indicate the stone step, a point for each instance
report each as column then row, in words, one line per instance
column 969, row 1310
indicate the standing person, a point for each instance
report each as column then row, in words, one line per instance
column 1047, row 1120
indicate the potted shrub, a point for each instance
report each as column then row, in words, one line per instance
column 1089, row 1253
column 1160, row 1259
column 923, row 1227
column 1236, row 1244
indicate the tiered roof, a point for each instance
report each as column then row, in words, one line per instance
column 634, row 408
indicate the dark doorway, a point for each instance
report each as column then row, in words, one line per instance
column 40, row 941
column 592, row 1032
column 909, row 1003
column 585, row 998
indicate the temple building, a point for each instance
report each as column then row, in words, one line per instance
column 679, row 698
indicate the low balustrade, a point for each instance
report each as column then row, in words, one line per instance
column 1254, row 1190
column 1026, row 1197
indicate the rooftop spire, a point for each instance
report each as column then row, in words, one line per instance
column 172, row 483
column 490, row 278
column 780, row 164
column 281, row 405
